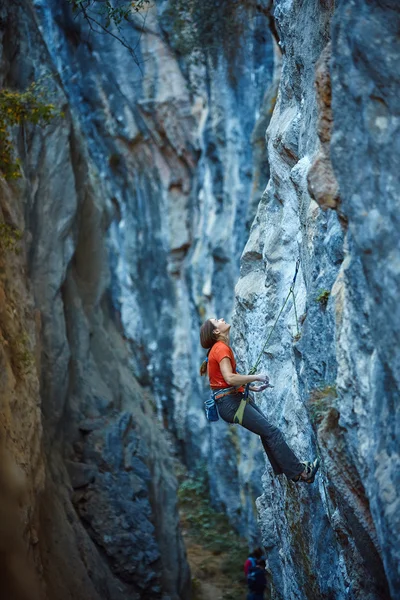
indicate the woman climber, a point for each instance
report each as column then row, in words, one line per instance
column 227, row 386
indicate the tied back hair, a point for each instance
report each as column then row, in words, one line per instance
column 207, row 340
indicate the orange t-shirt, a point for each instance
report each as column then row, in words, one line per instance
column 219, row 351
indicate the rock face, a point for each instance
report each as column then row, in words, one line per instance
column 134, row 209
column 328, row 147
column 369, row 180
column 100, row 513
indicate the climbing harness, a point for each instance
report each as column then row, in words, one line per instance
column 238, row 417
column 224, row 392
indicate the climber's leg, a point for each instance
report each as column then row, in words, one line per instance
column 283, row 456
column 275, row 467
column 282, row 459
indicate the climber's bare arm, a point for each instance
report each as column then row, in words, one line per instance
column 235, row 379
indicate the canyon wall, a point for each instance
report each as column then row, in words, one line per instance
column 134, row 208
column 330, row 203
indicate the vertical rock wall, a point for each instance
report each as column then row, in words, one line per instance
column 335, row 385
column 365, row 93
column 134, row 207
column 171, row 151
column 99, row 517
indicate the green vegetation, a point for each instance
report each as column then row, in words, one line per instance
column 22, row 357
column 321, row 402
column 9, row 238
column 17, row 108
column 106, row 16
column 107, row 12
column 208, row 527
column 323, row 297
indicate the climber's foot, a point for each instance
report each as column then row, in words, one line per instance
column 310, row 470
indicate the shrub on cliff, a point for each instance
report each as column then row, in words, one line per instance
column 16, row 108
column 209, row 527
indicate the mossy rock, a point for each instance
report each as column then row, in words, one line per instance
column 323, row 297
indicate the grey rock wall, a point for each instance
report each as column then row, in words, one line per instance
column 335, row 386
column 172, row 153
column 136, row 206
column 172, row 150
column 367, row 96
column 102, row 509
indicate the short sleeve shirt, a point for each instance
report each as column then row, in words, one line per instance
column 219, row 351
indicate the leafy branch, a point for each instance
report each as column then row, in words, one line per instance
column 15, row 109
column 104, row 16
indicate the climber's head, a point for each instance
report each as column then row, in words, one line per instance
column 213, row 330
column 221, row 328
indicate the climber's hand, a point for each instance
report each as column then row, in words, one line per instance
column 263, row 378
column 260, row 388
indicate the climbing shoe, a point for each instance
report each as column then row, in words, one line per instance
column 310, row 469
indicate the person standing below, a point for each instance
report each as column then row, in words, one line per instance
column 227, row 386
column 257, row 581
column 251, row 560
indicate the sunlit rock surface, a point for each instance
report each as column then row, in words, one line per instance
column 336, row 384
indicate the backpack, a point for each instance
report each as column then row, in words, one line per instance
column 256, row 581
column 252, row 578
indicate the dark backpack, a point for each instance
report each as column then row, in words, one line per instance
column 251, row 578
column 256, row 580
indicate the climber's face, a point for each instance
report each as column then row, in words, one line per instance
column 220, row 326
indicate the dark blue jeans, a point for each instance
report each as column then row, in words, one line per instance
column 281, row 457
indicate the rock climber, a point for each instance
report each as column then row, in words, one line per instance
column 257, row 581
column 227, row 386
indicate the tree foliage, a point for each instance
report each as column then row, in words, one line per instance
column 16, row 108
column 110, row 17
column 9, row 238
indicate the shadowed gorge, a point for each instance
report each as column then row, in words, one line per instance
column 157, row 170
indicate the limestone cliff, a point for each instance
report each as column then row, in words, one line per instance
column 99, row 515
column 135, row 208
column 336, row 384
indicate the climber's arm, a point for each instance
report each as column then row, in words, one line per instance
column 235, row 379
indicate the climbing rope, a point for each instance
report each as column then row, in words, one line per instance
column 238, row 417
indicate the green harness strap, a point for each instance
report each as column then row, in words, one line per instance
column 238, row 416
